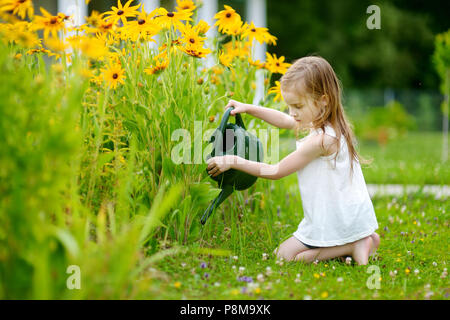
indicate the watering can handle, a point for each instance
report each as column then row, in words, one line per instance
column 225, row 117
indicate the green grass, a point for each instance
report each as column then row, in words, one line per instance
column 414, row 236
column 413, row 230
column 412, row 159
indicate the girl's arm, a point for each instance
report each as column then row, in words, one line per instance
column 297, row 160
column 274, row 117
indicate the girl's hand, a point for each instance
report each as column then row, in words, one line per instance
column 220, row 164
column 239, row 107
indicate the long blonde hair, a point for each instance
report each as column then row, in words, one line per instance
column 314, row 76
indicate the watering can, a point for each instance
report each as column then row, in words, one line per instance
column 233, row 139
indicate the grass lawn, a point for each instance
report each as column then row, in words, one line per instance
column 412, row 159
column 412, row 260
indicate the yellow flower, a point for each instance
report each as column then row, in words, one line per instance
column 217, row 69
column 56, row 44
column 260, row 34
column 317, row 276
column 276, row 65
column 50, row 24
column 256, row 63
column 159, row 66
column 122, row 12
column 407, row 271
column 167, row 19
column 227, row 19
column 324, row 295
column 95, row 19
column 94, row 48
column 257, row 290
column 202, row 27
column 113, row 75
column 21, row 34
column 225, row 59
column 144, row 26
column 235, row 292
column 22, row 8
column 195, row 51
column 177, row 284
column 185, row 5
column 277, row 91
column 190, row 35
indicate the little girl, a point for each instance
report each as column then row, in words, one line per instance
column 339, row 219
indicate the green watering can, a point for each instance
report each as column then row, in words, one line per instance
column 233, row 139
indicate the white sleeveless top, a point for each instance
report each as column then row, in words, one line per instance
column 336, row 210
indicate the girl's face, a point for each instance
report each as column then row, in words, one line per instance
column 302, row 108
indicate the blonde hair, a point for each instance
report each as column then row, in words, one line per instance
column 313, row 76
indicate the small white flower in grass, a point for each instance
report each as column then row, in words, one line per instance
column 183, row 264
column 268, row 271
column 392, row 274
column 307, row 297
column 217, row 284
column 340, row 279
column 403, row 208
column 434, row 264
column 260, row 277
column 235, row 257
column 416, row 271
column 333, row 268
column 444, row 275
column 297, row 280
column 265, row 256
column 316, row 262
column 233, row 267
column 241, row 270
column 348, row 260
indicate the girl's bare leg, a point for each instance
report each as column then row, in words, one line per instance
column 289, row 249
column 359, row 250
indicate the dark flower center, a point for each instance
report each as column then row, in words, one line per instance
column 170, row 14
column 191, row 40
column 278, row 64
column 115, row 76
column 141, row 21
column 253, row 30
column 228, row 15
column 53, row 20
column 120, row 12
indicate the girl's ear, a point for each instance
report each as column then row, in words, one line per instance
column 323, row 100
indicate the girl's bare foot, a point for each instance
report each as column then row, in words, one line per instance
column 376, row 242
column 361, row 249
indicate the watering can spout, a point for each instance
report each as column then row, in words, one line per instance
column 226, row 191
